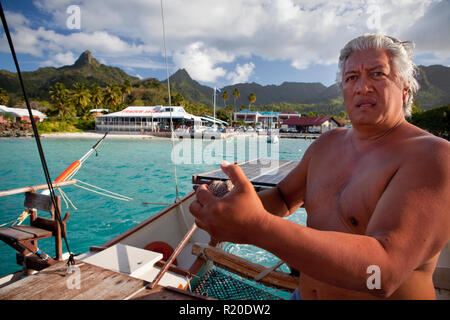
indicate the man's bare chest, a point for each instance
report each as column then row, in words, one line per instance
column 343, row 190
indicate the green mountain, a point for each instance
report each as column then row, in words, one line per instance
column 434, row 81
column 290, row 92
column 190, row 89
column 434, row 86
column 86, row 69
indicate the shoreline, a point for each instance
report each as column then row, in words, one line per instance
column 95, row 135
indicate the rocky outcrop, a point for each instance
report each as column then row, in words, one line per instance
column 15, row 129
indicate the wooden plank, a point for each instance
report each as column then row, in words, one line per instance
column 40, row 202
column 53, row 284
column 19, row 233
column 245, row 268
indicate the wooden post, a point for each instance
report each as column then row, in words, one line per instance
column 176, row 252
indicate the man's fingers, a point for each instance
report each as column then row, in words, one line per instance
column 200, row 224
column 204, row 195
column 195, row 208
column 235, row 173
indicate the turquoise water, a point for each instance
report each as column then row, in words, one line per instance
column 140, row 169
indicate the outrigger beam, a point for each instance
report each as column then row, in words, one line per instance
column 35, row 188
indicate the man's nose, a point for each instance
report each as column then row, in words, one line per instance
column 363, row 85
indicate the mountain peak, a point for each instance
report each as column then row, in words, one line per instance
column 86, row 58
column 181, row 74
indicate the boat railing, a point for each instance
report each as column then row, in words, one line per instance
column 36, row 188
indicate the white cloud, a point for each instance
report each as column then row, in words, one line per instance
column 241, row 74
column 204, row 35
column 200, row 61
column 60, row 59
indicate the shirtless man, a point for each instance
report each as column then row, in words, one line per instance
column 377, row 194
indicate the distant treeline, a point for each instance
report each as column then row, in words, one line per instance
column 435, row 121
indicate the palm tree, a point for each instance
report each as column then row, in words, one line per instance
column 251, row 99
column 126, row 89
column 229, row 112
column 96, row 95
column 4, row 98
column 113, row 96
column 225, row 98
column 59, row 96
column 81, row 98
column 236, row 95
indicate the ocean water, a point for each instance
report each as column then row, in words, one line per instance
column 137, row 168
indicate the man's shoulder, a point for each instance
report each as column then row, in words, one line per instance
column 428, row 153
column 422, row 142
column 332, row 136
column 324, row 143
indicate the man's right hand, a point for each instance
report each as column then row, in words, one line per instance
column 234, row 217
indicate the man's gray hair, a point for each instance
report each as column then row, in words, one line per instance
column 401, row 57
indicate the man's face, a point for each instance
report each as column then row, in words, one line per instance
column 372, row 93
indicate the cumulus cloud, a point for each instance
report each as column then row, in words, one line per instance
column 200, row 61
column 241, row 74
column 207, row 36
column 60, row 59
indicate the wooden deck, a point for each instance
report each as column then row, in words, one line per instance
column 95, row 283
column 260, row 172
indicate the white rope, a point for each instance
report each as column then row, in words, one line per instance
column 21, row 218
column 73, row 173
column 62, row 196
column 114, row 195
column 2, row 225
column 101, row 193
column 65, row 197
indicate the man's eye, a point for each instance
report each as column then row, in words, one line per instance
column 378, row 74
column 350, row 78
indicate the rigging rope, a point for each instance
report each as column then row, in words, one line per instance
column 71, row 260
column 114, row 195
column 172, row 133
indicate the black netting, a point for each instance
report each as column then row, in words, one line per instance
column 223, row 285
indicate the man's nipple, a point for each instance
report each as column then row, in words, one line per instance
column 353, row 221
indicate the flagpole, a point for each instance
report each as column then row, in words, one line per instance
column 214, row 123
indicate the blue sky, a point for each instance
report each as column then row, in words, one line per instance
column 219, row 42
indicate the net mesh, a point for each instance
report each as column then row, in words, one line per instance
column 224, row 285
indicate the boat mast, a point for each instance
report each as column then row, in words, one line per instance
column 177, row 197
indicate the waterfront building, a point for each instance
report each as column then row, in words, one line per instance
column 265, row 118
column 19, row 114
column 143, row 119
column 311, row 124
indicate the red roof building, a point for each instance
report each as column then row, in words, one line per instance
column 312, row 124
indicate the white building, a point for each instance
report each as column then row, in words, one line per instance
column 265, row 118
column 22, row 114
column 144, row 119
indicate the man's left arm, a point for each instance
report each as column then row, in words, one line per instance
column 408, row 227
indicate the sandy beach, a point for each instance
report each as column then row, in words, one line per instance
column 97, row 135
